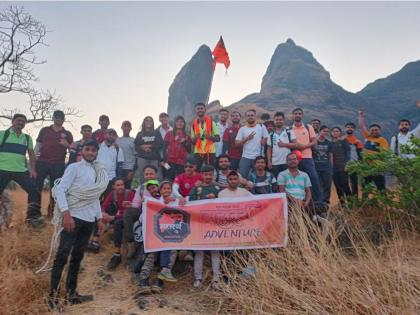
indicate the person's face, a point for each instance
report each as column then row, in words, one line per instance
column 153, row 190
column 89, row 153
column 298, row 116
column 110, row 137
column 223, row 116
column 292, row 161
column 375, row 131
column 324, row 132
column 189, row 168
column 58, row 121
column 104, row 123
column 126, row 128
column 236, row 118
column 349, row 129
column 404, row 127
column 207, row 177
column 260, row 164
column 315, row 124
column 119, row 186
column 166, row 190
column 224, row 163
column 233, row 181
column 200, row 110
column 279, row 121
column 149, row 173
column 250, row 117
column 148, row 123
column 19, row 123
column 164, row 120
column 335, row 133
column 86, row 133
column 179, row 124
column 270, row 128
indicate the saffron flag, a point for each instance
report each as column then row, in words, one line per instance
column 220, row 54
column 258, row 221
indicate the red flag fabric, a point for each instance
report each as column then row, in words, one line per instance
column 220, row 54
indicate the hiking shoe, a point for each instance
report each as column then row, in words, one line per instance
column 36, row 223
column 216, row 285
column 197, row 283
column 114, row 262
column 93, row 247
column 157, row 286
column 55, row 305
column 144, row 287
column 166, row 275
column 131, row 249
column 76, row 298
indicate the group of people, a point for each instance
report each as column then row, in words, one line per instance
column 174, row 164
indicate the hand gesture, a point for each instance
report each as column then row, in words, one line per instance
column 361, row 112
column 64, row 142
column 250, row 136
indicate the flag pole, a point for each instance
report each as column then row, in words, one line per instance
column 213, row 65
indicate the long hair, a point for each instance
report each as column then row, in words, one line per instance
column 185, row 125
column 144, row 121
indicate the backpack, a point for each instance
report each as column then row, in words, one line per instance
column 289, row 137
column 6, row 136
column 268, row 176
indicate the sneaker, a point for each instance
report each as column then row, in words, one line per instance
column 144, row 287
column 114, row 262
column 36, row 223
column 131, row 249
column 166, row 275
column 157, row 286
column 216, row 285
column 197, row 283
column 93, row 247
column 76, row 298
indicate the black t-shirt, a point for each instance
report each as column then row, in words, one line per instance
column 149, row 137
column 321, row 155
column 265, row 184
column 341, row 154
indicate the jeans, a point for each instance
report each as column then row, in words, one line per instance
column 131, row 215
column 75, row 243
column 199, row 261
column 325, row 180
column 354, row 184
column 277, row 169
column 308, row 166
column 341, row 182
column 29, row 185
column 245, row 166
column 118, row 232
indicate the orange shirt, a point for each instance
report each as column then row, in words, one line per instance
column 304, row 133
column 373, row 144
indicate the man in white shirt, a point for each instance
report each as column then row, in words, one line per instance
column 222, row 125
column 403, row 138
column 111, row 157
column 233, row 189
column 253, row 138
column 282, row 141
column 78, row 221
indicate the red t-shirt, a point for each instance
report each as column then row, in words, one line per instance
column 51, row 150
column 187, row 183
column 99, row 135
column 176, row 150
column 229, row 137
column 110, row 199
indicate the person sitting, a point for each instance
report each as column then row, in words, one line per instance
column 222, row 171
column 263, row 181
column 113, row 209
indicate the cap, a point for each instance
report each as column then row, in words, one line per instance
column 111, row 130
column 91, row 142
column 151, row 182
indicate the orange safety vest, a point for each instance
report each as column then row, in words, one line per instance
column 208, row 124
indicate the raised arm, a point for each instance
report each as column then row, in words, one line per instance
column 362, row 123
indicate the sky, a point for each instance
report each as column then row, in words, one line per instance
column 120, row 58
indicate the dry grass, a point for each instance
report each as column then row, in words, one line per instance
column 317, row 275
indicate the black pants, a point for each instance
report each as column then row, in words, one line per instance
column 277, row 169
column 28, row 184
column 118, row 232
column 354, row 184
column 234, row 164
column 325, row 180
column 75, row 243
column 131, row 215
column 174, row 171
column 378, row 180
column 201, row 159
column 53, row 171
column 341, row 182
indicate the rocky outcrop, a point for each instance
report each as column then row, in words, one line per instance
column 191, row 85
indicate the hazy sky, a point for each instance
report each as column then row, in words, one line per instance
column 120, row 58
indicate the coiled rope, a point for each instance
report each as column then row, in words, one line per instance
column 76, row 197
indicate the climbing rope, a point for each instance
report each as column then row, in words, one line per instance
column 76, row 197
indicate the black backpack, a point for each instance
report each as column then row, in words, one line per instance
column 288, row 136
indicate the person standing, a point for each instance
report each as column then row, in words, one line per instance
column 13, row 166
column 356, row 147
column 322, row 155
column 374, row 142
column 402, row 138
column 306, row 139
column 52, row 144
column 252, row 138
column 75, row 152
column 222, row 125
column 164, row 128
column 282, row 140
column 341, row 155
column 148, row 144
column 177, row 145
column 204, row 136
column 229, row 146
column 79, row 217
column 126, row 145
column 99, row 134
column 316, row 124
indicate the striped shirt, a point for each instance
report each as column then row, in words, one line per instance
column 13, row 152
column 294, row 186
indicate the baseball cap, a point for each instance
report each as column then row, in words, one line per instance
column 151, row 182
